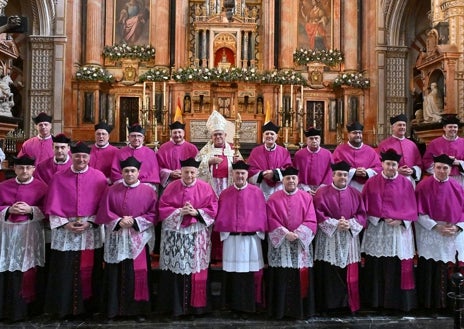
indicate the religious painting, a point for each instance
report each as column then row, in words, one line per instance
column 132, row 22
column 315, row 24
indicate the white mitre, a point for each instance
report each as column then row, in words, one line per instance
column 217, row 122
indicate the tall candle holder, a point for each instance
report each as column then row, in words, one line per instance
column 238, row 126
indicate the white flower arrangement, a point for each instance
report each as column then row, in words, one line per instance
column 355, row 80
column 92, row 72
column 120, row 51
column 330, row 57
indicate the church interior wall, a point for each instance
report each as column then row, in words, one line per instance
column 380, row 38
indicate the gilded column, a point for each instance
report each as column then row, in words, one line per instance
column 350, row 34
column 94, row 32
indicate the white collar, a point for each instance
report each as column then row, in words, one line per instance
column 391, row 178
column 26, row 182
column 354, row 147
column 241, row 188
column 61, row 162
column 102, row 147
column 440, row 181
column 81, row 171
column 137, row 183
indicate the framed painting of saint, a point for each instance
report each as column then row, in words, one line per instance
column 315, row 24
column 132, row 22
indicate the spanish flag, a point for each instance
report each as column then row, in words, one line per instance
column 178, row 114
column 268, row 116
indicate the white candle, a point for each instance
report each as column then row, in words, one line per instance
column 144, row 86
column 164, row 94
column 286, row 131
column 301, row 134
column 156, row 129
column 154, row 95
column 291, row 96
column 281, row 97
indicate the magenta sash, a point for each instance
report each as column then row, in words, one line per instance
column 140, row 277
column 86, row 268
column 198, row 295
column 304, row 282
column 258, row 279
column 352, row 284
column 407, row 274
column 28, row 285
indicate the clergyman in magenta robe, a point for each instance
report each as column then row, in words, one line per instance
column 292, row 226
column 187, row 209
column 74, row 283
column 128, row 212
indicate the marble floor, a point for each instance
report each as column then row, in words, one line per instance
column 224, row 319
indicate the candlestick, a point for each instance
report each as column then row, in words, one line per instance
column 286, row 131
column 291, row 96
column 147, row 103
column 164, row 94
column 301, row 135
column 156, row 129
column 144, row 88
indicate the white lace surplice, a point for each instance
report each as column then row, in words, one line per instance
column 432, row 245
column 242, row 254
column 185, row 250
column 65, row 240
column 127, row 243
column 383, row 240
column 295, row 254
column 339, row 248
column 22, row 244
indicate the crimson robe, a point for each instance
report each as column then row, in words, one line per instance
column 22, row 251
column 438, row 203
column 76, row 258
column 149, row 171
column 46, row 169
column 38, row 148
column 314, row 167
column 364, row 156
column 126, row 250
column 241, row 210
column 338, row 253
column 169, row 156
column 186, row 246
column 441, row 145
column 410, row 155
column 101, row 158
column 291, row 290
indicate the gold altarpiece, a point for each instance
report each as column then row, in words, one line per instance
column 219, row 39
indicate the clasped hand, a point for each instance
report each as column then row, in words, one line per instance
column 188, row 209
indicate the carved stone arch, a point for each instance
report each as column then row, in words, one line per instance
column 43, row 17
column 394, row 20
column 225, row 40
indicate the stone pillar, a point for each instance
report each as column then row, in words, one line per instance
column 252, row 51
column 160, row 32
column 350, row 34
column 288, row 37
column 245, row 49
column 204, row 54
column 94, row 32
column 197, row 48
column 267, row 21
